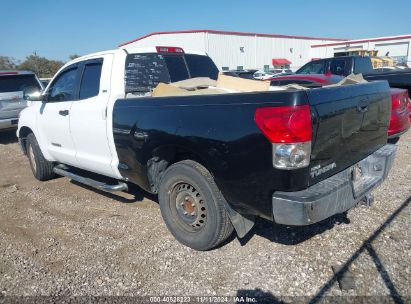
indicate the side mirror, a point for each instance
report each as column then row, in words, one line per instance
column 32, row 94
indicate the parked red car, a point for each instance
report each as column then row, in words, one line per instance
column 401, row 105
column 306, row 80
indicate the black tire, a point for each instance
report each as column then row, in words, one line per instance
column 42, row 169
column 189, row 185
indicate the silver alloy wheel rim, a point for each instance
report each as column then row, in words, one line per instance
column 32, row 158
column 190, row 206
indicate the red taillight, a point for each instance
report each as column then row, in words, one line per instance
column 289, row 124
column 169, row 49
column 401, row 112
column 399, row 101
column 9, row 73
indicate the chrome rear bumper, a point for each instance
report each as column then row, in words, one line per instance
column 334, row 195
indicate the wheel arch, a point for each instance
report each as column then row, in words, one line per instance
column 22, row 135
column 165, row 156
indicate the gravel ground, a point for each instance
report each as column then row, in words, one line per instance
column 60, row 238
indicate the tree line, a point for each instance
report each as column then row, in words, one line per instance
column 43, row 67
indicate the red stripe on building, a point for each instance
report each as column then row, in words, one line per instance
column 230, row 33
column 362, row 41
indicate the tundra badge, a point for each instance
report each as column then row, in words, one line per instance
column 318, row 170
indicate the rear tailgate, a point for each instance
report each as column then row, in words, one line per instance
column 11, row 103
column 350, row 123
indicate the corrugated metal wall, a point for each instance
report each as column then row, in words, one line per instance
column 229, row 50
column 298, row 51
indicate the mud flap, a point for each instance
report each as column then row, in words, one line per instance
column 242, row 223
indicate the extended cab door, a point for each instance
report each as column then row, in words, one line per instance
column 54, row 115
column 88, row 116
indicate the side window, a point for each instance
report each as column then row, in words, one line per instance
column 338, row 66
column 63, row 87
column 90, row 81
column 315, row 67
column 363, row 65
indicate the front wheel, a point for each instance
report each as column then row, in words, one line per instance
column 42, row 169
column 192, row 206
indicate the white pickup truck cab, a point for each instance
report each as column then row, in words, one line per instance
column 72, row 127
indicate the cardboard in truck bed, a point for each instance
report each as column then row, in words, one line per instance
column 241, row 84
column 195, row 83
column 163, row 89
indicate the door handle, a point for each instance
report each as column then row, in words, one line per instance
column 64, row 112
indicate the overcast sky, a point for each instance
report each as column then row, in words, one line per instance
column 56, row 29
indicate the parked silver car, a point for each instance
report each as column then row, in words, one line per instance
column 12, row 86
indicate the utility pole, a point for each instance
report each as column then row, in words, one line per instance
column 35, row 63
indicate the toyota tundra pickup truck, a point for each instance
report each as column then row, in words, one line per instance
column 216, row 161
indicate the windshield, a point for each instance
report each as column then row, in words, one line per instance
column 316, row 67
column 15, row 83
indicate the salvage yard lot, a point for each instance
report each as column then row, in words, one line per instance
column 62, row 238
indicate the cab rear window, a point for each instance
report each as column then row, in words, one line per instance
column 201, row 66
column 143, row 72
column 176, row 68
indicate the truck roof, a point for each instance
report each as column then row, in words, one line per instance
column 136, row 50
column 340, row 57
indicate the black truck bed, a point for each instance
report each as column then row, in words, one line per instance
column 218, row 131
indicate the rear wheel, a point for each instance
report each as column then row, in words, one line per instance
column 193, row 207
column 42, row 169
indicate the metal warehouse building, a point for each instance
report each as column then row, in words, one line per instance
column 397, row 47
column 231, row 50
column 236, row 50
